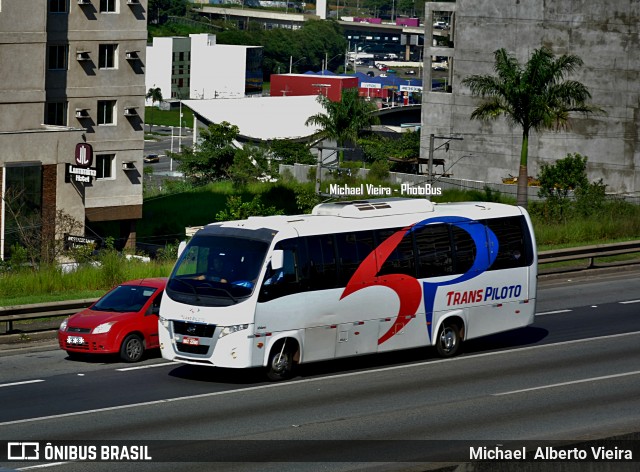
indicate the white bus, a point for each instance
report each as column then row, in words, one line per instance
column 352, row 278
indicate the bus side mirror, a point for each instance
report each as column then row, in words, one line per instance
column 277, row 259
column 181, row 247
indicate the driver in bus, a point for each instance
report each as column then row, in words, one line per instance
column 215, row 270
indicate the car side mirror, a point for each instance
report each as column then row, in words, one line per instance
column 154, row 310
column 277, row 259
column 181, row 247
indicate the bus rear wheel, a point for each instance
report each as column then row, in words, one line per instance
column 281, row 361
column 449, row 340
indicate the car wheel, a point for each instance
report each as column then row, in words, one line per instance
column 132, row 348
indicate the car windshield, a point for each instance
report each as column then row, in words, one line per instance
column 124, row 298
column 217, row 270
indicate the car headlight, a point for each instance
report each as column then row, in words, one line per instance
column 63, row 325
column 232, row 329
column 103, row 328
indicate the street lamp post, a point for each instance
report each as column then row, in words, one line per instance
column 291, row 63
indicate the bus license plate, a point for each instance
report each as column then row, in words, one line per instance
column 75, row 340
column 191, row 341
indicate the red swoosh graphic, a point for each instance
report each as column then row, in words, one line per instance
column 406, row 287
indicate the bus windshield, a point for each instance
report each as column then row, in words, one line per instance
column 217, row 270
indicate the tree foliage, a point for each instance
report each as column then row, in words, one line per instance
column 236, row 209
column 291, row 152
column 211, row 159
column 303, row 49
column 343, row 121
column 566, row 189
column 535, row 97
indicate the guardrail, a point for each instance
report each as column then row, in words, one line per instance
column 9, row 314
column 588, row 252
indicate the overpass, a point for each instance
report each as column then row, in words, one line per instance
column 271, row 19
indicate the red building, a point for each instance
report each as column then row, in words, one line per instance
column 311, row 84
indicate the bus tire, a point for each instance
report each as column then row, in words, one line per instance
column 132, row 348
column 281, row 360
column 449, row 340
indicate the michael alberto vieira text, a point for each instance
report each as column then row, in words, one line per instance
column 548, row 453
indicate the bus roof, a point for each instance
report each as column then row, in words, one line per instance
column 357, row 215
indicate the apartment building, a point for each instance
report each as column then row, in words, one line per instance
column 198, row 68
column 71, row 115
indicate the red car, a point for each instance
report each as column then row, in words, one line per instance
column 124, row 321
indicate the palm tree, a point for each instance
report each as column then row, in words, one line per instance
column 343, row 120
column 535, row 96
column 155, row 95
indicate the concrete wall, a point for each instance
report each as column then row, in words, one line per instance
column 604, row 35
column 217, row 70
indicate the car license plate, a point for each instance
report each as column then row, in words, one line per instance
column 75, row 340
column 191, row 341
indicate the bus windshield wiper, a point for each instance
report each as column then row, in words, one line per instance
column 193, row 289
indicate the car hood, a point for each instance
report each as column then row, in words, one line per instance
column 90, row 319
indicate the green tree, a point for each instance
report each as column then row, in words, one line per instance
column 564, row 177
column 291, row 152
column 212, row 158
column 160, row 10
column 155, row 95
column 535, row 97
column 249, row 164
column 236, row 209
column 344, row 120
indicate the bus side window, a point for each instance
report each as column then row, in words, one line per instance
column 321, row 262
column 402, row 260
column 464, row 247
column 353, row 248
column 514, row 247
column 286, row 280
column 435, row 257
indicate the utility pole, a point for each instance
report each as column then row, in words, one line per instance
column 432, row 148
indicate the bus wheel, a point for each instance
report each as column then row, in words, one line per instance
column 132, row 348
column 281, row 361
column 448, row 343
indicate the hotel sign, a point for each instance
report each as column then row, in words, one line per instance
column 84, row 155
column 82, row 172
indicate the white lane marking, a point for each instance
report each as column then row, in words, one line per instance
column 124, row 369
column 629, row 301
column 573, row 382
column 318, row 379
column 553, row 312
column 21, row 383
column 42, row 466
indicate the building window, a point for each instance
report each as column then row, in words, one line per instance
column 58, row 6
column 106, row 110
column 108, row 6
column 23, row 196
column 104, row 166
column 181, row 56
column 107, row 56
column 55, row 113
column 57, row 59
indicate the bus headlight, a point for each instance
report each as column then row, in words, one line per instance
column 164, row 322
column 232, row 329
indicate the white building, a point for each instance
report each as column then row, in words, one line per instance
column 198, row 68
